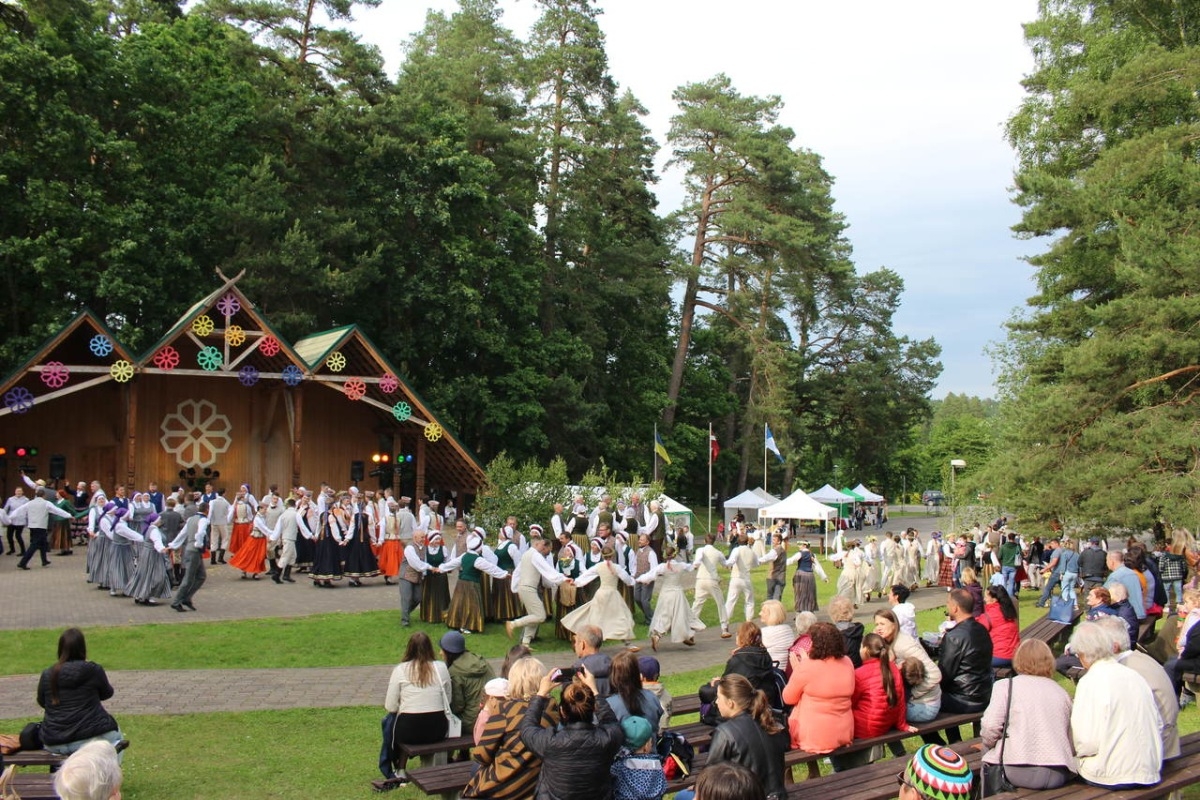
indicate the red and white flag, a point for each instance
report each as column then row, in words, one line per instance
column 714, row 448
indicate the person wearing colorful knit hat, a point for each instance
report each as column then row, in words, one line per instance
column 935, row 772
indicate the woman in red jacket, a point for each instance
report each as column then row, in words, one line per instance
column 1000, row 619
column 878, row 699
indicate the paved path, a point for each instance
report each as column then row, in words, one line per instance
column 58, row 596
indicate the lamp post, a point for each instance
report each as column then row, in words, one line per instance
column 955, row 465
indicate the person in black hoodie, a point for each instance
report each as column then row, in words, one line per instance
column 750, row 660
column 577, row 755
column 71, row 692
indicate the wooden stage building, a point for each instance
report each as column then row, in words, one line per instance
column 221, row 393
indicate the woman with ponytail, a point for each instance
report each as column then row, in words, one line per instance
column 749, row 735
column 878, row 699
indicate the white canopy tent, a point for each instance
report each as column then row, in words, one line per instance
column 828, row 494
column 799, row 505
column 749, row 500
column 675, row 511
column 867, row 495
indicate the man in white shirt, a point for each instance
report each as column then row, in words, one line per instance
column 708, row 582
column 37, row 516
column 533, row 568
column 11, row 507
column 193, row 540
column 741, row 562
column 219, row 527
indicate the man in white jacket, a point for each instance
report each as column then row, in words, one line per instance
column 708, row 582
column 37, row 516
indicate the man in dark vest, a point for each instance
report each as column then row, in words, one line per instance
column 193, row 540
column 655, row 528
column 412, row 569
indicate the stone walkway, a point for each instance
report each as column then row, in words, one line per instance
column 58, row 597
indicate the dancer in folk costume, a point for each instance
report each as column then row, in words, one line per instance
column 466, row 606
column 99, row 516
column 119, row 560
column 577, row 525
column 252, row 552
column 391, row 549
column 535, row 568
column 150, row 579
column 933, row 558
column 569, row 563
column 241, row 516
column 591, row 558
column 804, row 580
column 435, row 587
column 360, row 553
column 606, row 610
column 310, row 526
column 327, row 557
column 708, row 581
column 741, row 563
column 672, row 616
column 887, row 561
column 873, row 574
column 505, row 604
column 852, row 583
column 946, row 570
column 910, row 551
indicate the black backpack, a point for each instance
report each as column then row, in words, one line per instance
column 677, row 755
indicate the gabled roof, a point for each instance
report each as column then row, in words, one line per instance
column 85, row 351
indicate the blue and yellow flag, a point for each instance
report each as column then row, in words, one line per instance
column 661, row 449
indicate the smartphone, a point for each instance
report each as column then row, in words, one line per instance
column 564, row 674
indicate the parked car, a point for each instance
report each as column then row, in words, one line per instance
column 932, row 496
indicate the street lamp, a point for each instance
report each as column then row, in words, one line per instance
column 955, row 465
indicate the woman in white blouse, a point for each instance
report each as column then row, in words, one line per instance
column 418, row 695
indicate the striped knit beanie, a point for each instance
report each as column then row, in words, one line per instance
column 939, row 773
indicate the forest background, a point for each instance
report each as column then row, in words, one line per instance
column 487, row 216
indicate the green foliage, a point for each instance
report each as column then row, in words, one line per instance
column 1099, row 371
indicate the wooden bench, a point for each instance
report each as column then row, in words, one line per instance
column 872, row 782
column 1053, row 633
column 34, row 758
column 1178, row 773
column 34, row 785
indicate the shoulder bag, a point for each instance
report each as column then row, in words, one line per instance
column 994, row 780
column 453, row 723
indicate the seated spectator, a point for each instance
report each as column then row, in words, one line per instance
column 750, row 660
column 650, row 669
column 841, row 614
column 1188, row 659
column 637, row 771
column 820, row 692
column 629, row 698
column 587, row 642
column 802, row 643
column 749, row 736
column 906, row 612
column 1099, row 604
column 417, row 695
column 924, row 700
column 71, row 692
column 1115, row 725
column 878, row 699
column 1037, row 751
column 507, row 768
column 1120, row 603
column 777, row 635
column 970, row 581
column 1000, row 620
column 1155, row 677
column 495, row 692
column 577, row 755
column 468, row 675
column 514, row 654
column 936, row 772
column 1123, row 575
column 965, row 661
column 93, row 772
column 727, row 781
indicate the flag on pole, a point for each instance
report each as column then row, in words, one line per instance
column 770, row 442
column 714, row 448
column 661, row 449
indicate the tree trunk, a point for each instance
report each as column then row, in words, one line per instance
column 687, row 312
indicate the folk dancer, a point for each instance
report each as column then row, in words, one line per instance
column 741, row 563
column 330, row 544
column 391, row 550
column 170, row 523
column 509, row 551
column 578, row 525
column 852, row 583
column 909, row 572
column 193, row 541
column 241, row 517
column 98, row 514
column 777, row 558
column 359, row 553
column 287, row 531
column 569, row 562
column 37, row 516
column 655, row 528
column 119, row 561
column 435, row 586
column 804, row 584
column 532, row 571
column 888, row 560
column 466, row 606
column 149, row 581
column 933, row 558
column 82, row 502
column 605, row 610
column 413, row 569
column 251, row 554
column 645, row 561
column 708, row 582
column 673, row 616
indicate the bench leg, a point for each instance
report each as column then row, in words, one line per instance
column 435, row 760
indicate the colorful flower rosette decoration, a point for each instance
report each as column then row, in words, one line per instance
column 55, row 374
column 121, row 371
column 248, row 375
column 268, row 346
column 433, row 431
column 100, row 345
column 388, row 383
column 401, row 411
column 234, row 335
column 167, row 359
column 210, row 359
column 292, row 375
column 203, row 325
column 18, row 400
column 336, row 362
column 229, row 305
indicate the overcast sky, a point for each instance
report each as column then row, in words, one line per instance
column 906, row 102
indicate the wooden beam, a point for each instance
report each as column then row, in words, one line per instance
column 79, row 387
column 368, row 400
column 296, row 411
column 131, row 400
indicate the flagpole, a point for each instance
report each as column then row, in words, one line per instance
column 710, row 462
column 654, row 451
column 764, row 456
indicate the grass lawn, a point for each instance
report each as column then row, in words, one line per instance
column 327, row 753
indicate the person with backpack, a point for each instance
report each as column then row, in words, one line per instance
column 637, row 771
